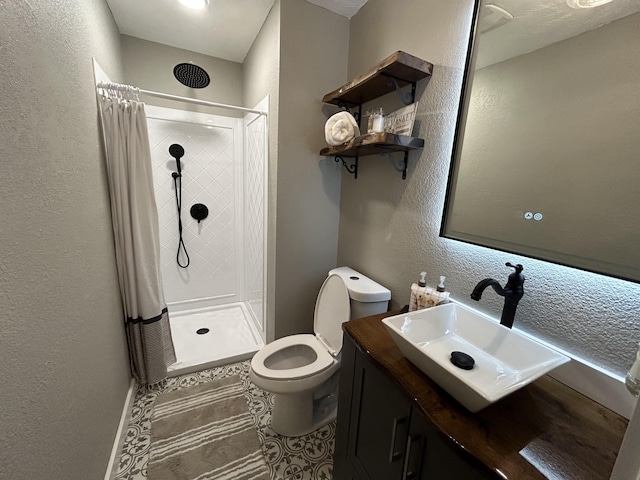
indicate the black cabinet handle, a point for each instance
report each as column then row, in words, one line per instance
column 412, row 472
column 393, row 455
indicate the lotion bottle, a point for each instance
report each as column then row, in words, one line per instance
column 417, row 291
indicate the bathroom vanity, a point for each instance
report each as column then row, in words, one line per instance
column 394, row 422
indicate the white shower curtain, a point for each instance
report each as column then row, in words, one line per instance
column 134, row 217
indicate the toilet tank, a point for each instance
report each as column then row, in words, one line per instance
column 367, row 297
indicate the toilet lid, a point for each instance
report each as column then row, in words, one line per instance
column 332, row 310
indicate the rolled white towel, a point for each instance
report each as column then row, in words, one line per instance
column 340, row 128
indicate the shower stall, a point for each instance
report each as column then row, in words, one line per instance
column 212, row 232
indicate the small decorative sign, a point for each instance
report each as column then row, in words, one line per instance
column 401, row 121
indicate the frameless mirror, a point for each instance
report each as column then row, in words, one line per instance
column 546, row 159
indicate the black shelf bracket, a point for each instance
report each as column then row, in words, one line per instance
column 399, row 167
column 406, row 98
column 353, row 168
column 356, row 115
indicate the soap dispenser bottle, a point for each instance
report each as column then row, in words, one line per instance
column 434, row 296
column 632, row 381
column 418, row 290
column 441, row 296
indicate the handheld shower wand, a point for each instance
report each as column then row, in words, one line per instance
column 177, row 152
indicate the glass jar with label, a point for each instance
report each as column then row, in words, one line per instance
column 376, row 121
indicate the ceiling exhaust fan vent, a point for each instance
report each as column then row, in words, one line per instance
column 493, row 17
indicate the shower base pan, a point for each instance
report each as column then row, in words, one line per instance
column 209, row 337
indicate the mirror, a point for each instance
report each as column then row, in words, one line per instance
column 546, row 158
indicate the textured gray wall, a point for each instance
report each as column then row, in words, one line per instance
column 389, row 227
column 262, row 78
column 149, row 65
column 313, row 59
column 64, row 369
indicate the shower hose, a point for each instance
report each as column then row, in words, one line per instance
column 177, row 183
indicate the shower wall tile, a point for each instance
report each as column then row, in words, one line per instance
column 255, row 161
column 210, row 175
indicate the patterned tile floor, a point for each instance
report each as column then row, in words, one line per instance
column 289, row 458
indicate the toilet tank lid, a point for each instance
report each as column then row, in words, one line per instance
column 361, row 288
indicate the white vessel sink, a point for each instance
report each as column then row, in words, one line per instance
column 505, row 360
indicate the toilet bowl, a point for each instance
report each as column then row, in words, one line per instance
column 302, row 370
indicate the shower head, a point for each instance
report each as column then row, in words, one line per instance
column 191, row 75
column 177, row 152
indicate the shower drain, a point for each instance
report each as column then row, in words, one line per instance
column 202, row 331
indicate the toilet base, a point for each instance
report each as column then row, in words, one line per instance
column 294, row 415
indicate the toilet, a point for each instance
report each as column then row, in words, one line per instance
column 302, row 370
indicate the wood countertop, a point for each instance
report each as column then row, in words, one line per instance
column 543, row 430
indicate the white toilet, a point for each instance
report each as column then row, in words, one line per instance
column 302, row 370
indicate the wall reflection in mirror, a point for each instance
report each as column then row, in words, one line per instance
column 546, row 160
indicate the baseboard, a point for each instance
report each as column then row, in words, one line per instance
column 112, row 467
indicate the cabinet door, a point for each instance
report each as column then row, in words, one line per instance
column 432, row 456
column 379, row 424
column 343, row 420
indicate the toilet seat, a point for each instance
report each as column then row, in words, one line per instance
column 332, row 310
column 323, row 361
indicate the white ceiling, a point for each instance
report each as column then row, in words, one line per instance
column 226, row 29
column 346, row 8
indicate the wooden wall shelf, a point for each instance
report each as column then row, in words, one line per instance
column 394, row 72
column 401, row 66
column 374, row 144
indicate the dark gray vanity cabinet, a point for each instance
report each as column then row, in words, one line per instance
column 381, row 436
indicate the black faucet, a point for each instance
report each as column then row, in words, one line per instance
column 512, row 293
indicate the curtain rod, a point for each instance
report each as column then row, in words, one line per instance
column 166, row 96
